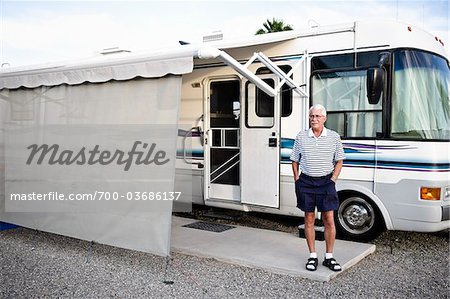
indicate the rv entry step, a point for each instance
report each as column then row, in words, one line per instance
column 319, row 232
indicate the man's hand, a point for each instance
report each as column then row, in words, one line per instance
column 295, row 170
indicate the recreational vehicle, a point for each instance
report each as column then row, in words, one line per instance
column 386, row 89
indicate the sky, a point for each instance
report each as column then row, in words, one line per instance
column 36, row 32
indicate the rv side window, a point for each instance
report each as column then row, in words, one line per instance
column 264, row 102
column 343, row 93
column 367, row 59
column 259, row 107
column 286, row 101
column 286, row 91
column 330, row 62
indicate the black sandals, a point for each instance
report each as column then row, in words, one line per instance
column 332, row 264
column 312, row 263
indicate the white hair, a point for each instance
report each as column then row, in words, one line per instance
column 318, row 107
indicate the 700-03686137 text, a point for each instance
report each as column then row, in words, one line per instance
column 98, row 195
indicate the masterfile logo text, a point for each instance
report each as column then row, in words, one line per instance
column 92, row 168
column 140, row 153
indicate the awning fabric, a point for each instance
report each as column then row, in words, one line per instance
column 99, row 69
column 54, row 100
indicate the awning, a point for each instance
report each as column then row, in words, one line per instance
column 52, row 107
column 100, row 69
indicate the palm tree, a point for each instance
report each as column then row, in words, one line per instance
column 274, row 26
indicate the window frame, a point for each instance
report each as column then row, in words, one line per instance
column 247, row 109
column 289, row 98
column 346, row 112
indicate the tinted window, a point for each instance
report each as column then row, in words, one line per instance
column 286, row 91
column 332, row 62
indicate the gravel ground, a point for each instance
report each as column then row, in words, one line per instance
column 39, row 264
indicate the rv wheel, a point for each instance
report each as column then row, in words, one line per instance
column 358, row 219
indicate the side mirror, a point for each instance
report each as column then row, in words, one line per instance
column 374, row 84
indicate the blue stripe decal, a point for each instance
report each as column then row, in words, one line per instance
column 363, row 155
column 190, row 154
column 357, row 155
column 287, row 143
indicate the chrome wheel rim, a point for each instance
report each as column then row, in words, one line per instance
column 356, row 215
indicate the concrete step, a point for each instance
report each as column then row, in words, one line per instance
column 273, row 251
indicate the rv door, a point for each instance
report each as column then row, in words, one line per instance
column 222, row 154
column 260, row 145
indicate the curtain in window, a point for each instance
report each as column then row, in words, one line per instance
column 420, row 100
column 345, row 93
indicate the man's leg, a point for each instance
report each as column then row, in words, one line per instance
column 330, row 230
column 330, row 237
column 310, row 233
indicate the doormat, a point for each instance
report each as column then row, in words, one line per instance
column 212, row 227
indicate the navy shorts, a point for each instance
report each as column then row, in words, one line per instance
column 316, row 192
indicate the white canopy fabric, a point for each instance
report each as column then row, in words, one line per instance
column 100, row 69
column 60, row 105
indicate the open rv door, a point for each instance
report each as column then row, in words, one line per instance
column 259, row 152
column 260, row 145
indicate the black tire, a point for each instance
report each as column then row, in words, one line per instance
column 358, row 218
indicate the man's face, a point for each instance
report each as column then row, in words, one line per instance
column 316, row 119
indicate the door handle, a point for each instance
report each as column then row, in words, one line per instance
column 272, row 142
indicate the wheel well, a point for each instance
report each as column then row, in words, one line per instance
column 344, row 194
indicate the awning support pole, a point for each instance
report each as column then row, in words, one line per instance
column 209, row 53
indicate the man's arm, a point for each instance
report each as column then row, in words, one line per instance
column 295, row 170
column 337, row 170
column 295, row 157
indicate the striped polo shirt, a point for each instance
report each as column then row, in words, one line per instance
column 317, row 155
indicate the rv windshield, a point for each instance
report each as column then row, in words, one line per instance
column 420, row 96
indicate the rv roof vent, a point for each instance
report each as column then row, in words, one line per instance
column 213, row 36
column 115, row 50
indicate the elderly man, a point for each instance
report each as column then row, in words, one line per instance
column 319, row 153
